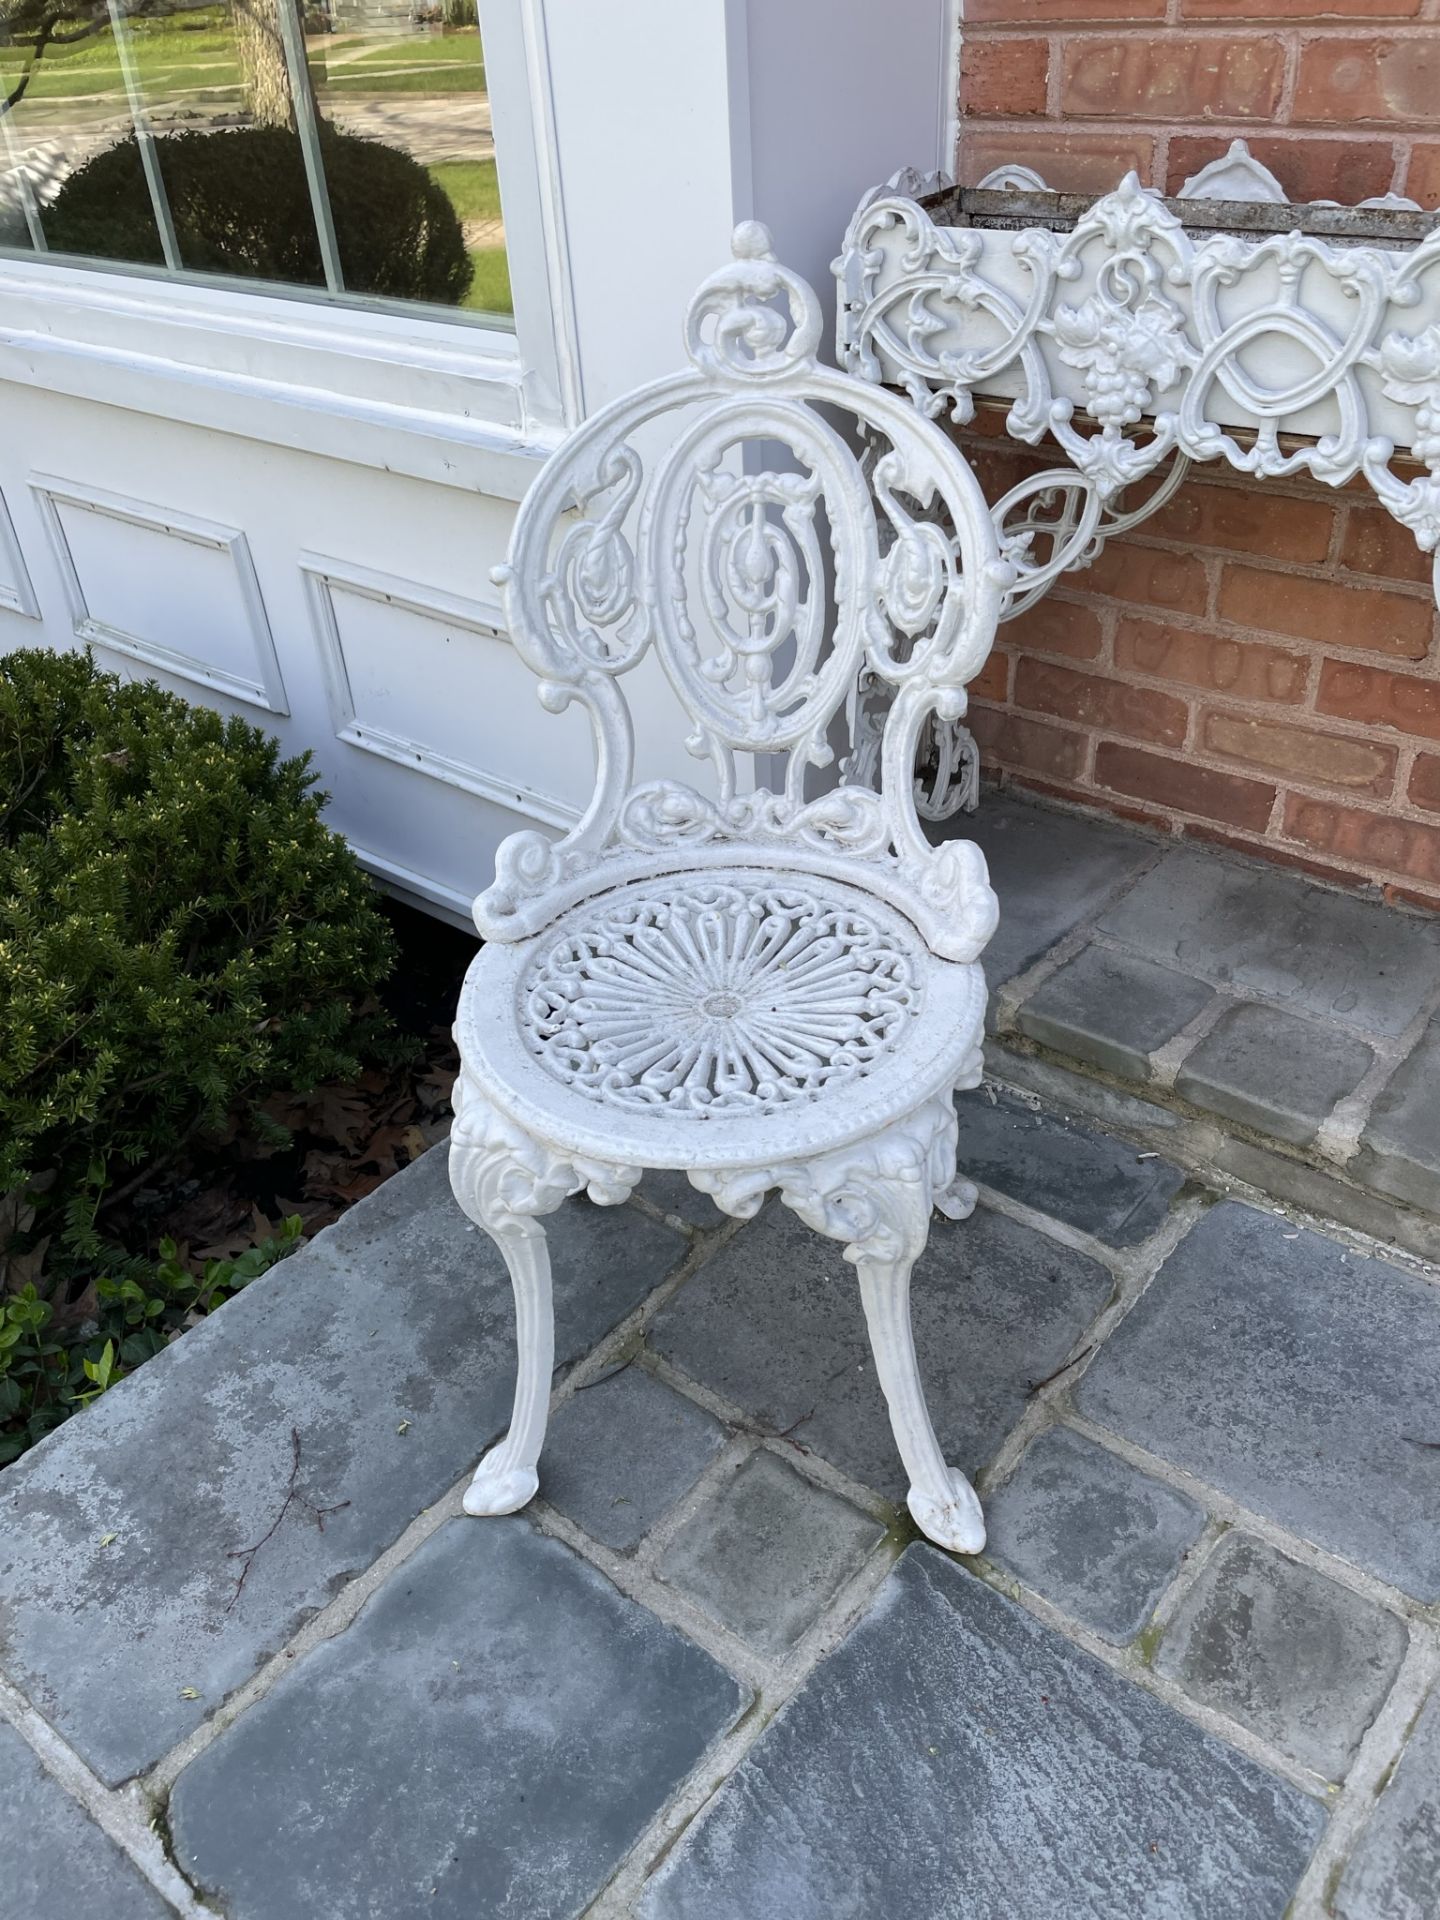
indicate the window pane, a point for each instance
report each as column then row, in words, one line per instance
column 413, row 78
column 170, row 133
column 65, row 104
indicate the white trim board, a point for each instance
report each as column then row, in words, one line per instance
column 324, row 577
column 267, row 692
column 17, row 595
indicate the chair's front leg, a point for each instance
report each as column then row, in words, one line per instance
column 878, row 1196
column 506, row 1180
column 941, row 1499
column 507, row 1478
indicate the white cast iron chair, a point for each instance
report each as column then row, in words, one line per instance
column 768, row 989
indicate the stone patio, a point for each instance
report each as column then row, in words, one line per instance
column 1283, row 1034
column 256, row 1661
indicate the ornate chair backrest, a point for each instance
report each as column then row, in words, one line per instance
column 766, row 587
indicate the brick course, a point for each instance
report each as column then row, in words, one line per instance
column 1336, row 98
column 1259, row 663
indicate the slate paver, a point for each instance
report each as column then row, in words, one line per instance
column 1395, row 1868
column 619, row 1455
column 1400, row 1149
column 1078, row 1093
column 1297, row 1376
column 55, row 1862
column 400, row 1313
column 1303, row 1662
column 1112, row 1009
column 499, row 1712
column 958, row 1760
column 1050, row 871
column 767, row 1552
column 1090, row 1532
column 671, row 1191
column 1064, row 1168
column 773, row 1322
column 1273, row 1071
column 1261, row 931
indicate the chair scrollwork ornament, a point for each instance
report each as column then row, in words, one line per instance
column 773, row 987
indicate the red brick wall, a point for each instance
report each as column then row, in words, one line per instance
column 1258, row 664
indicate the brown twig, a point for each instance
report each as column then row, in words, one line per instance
column 610, row 1373
column 1064, row 1367
column 788, row 1433
column 292, row 1494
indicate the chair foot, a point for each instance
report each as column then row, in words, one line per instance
column 956, row 1523
column 499, row 1487
column 958, row 1200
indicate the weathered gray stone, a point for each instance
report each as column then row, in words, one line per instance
column 1273, row 1071
column 1094, row 1182
column 1112, row 1009
column 388, row 1348
column 671, row 1191
column 621, row 1453
column 767, row 1552
column 1300, row 1378
column 1400, row 1151
column 957, row 1760
column 773, row 1322
column 1277, row 1646
column 1050, row 871
column 1319, row 1191
column 55, row 1863
column 490, row 1736
column 1259, row 930
column 1076, row 1093
column 1394, row 1871
column 1091, row 1532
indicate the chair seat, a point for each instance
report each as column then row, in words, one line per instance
column 721, row 1019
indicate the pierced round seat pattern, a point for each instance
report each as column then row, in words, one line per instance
column 729, row 995
column 772, row 987
column 717, row 1018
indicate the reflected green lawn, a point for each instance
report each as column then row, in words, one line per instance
column 471, row 186
column 423, row 50
column 196, row 51
column 161, row 84
column 173, row 42
column 490, row 289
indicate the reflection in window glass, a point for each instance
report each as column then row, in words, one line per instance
column 345, row 148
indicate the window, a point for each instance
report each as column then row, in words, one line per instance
column 338, row 147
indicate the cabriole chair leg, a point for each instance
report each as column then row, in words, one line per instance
column 507, row 1181
column 941, row 1499
column 507, row 1477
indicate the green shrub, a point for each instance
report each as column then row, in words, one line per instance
column 240, row 205
column 140, row 1306
column 180, row 936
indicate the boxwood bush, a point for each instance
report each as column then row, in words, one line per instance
column 181, row 935
column 240, row 205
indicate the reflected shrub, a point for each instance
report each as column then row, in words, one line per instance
column 241, row 206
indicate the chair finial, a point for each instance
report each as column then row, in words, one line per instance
column 754, row 320
column 751, row 241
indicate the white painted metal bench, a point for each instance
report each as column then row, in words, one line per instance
column 1140, row 346
column 769, row 988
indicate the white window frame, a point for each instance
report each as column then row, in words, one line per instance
column 416, row 392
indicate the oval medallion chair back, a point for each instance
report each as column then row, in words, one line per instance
column 769, row 987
